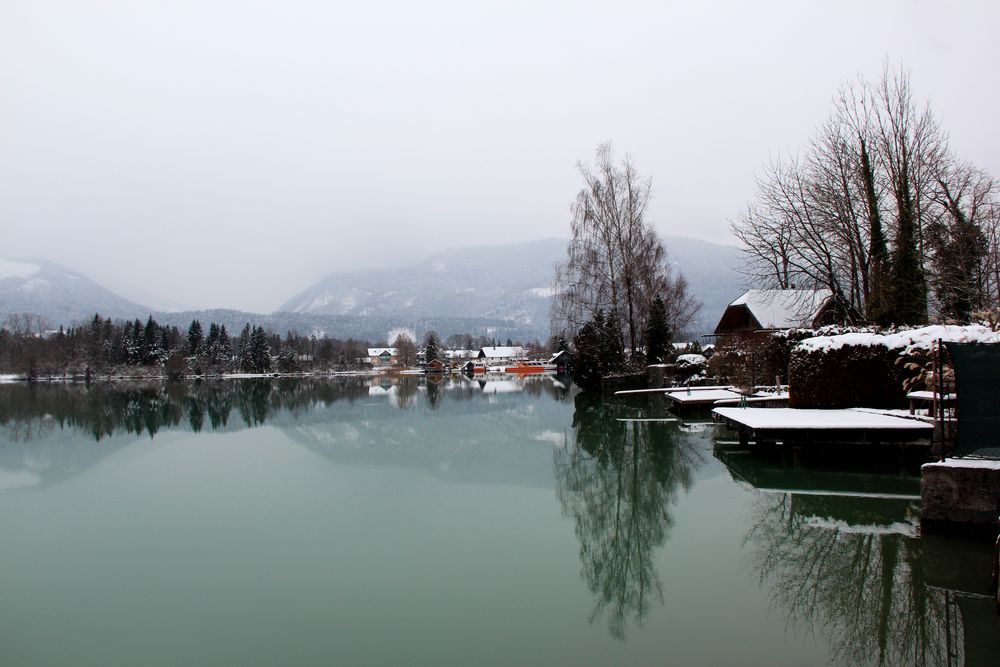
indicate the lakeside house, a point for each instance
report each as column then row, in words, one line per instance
column 502, row 355
column 383, row 357
column 771, row 309
column 435, row 366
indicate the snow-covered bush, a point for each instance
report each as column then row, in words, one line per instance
column 863, row 368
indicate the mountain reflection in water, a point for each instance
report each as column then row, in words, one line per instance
column 628, row 527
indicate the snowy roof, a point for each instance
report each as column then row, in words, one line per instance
column 709, row 396
column 782, row 418
column 924, row 338
column 784, row 309
column 502, row 352
column 378, row 351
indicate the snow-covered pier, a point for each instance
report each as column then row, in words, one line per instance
column 847, row 427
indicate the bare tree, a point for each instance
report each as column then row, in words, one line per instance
column 855, row 211
column 406, row 349
column 615, row 262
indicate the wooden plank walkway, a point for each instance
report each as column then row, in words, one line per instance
column 765, row 401
column 789, row 425
column 667, row 390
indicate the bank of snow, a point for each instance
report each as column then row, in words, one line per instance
column 914, row 339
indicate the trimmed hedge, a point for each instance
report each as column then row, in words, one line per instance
column 848, row 377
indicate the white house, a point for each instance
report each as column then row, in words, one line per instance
column 499, row 356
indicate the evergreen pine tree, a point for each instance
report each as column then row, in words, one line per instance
column 588, row 365
column 657, row 333
column 224, row 352
column 613, row 344
column 432, row 351
column 244, row 352
column 194, row 339
column 260, row 351
column 150, row 342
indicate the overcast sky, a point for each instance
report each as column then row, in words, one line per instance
column 229, row 153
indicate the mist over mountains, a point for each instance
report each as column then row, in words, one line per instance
column 502, row 291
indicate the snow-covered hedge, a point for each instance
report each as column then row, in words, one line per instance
column 909, row 339
column 859, row 369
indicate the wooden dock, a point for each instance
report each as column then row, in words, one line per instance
column 667, row 390
column 846, row 427
column 762, row 401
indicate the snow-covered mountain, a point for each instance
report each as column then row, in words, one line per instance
column 508, row 282
column 503, row 291
column 58, row 294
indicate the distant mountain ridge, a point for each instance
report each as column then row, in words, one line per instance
column 502, row 291
column 510, row 283
column 58, row 294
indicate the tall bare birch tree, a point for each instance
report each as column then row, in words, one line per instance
column 615, row 262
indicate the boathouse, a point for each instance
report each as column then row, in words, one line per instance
column 771, row 309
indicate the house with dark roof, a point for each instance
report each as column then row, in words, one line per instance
column 770, row 309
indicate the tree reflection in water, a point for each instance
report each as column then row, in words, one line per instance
column 860, row 586
column 32, row 411
column 617, row 481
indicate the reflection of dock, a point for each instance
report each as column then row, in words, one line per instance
column 842, row 427
column 767, row 474
column 845, row 501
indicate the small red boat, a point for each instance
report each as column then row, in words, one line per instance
column 522, row 368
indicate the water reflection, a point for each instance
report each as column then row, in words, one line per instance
column 29, row 412
column 617, row 480
column 840, row 556
column 52, row 432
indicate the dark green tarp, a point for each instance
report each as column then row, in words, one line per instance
column 977, row 383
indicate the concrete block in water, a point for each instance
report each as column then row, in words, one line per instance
column 961, row 495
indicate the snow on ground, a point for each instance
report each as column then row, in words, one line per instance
column 10, row 378
column 986, row 464
column 789, row 418
column 9, row 269
column 924, row 338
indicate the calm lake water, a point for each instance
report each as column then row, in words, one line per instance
column 378, row 522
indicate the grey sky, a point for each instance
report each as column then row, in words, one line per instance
column 229, row 153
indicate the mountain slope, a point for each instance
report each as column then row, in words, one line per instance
column 505, row 282
column 509, row 282
column 58, row 294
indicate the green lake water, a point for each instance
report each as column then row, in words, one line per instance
column 499, row 522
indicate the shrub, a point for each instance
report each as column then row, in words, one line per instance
column 846, row 377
